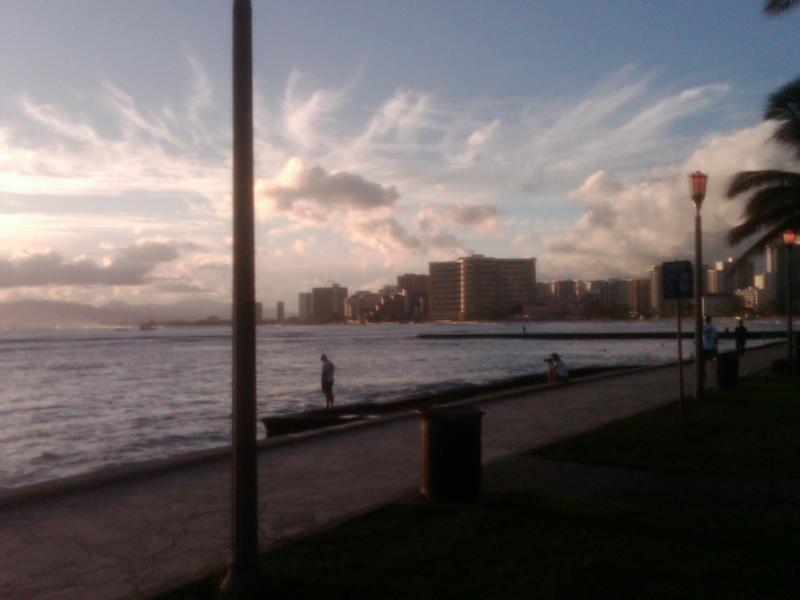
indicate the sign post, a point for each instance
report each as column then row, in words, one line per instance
column 677, row 284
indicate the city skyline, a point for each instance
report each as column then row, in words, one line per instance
column 387, row 137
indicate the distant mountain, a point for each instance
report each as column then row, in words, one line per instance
column 47, row 313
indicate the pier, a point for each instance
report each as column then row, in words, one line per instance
column 617, row 335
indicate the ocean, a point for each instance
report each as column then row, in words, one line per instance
column 74, row 401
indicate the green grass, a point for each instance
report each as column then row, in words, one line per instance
column 522, row 546
column 753, row 429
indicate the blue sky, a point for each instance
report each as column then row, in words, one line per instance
column 388, row 135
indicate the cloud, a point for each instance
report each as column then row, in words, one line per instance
column 385, row 235
column 471, row 215
column 312, row 192
column 129, row 267
column 470, row 171
column 301, row 115
column 627, row 225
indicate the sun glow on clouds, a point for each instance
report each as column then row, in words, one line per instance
column 415, row 178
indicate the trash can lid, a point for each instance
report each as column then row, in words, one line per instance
column 451, row 413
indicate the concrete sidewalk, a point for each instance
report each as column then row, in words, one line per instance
column 147, row 533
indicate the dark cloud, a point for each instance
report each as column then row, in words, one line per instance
column 471, row 214
column 386, row 235
column 328, row 190
column 130, row 266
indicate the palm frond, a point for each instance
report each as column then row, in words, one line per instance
column 783, row 106
column 765, row 209
column 778, row 7
column 773, row 200
column 765, row 239
column 747, row 180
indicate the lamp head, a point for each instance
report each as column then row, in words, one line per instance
column 789, row 237
column 697, row 186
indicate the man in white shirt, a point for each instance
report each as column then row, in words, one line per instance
column 710, row 340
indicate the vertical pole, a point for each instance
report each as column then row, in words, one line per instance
column 680, row 362
column 699, row 365
column 242, row 580
column 789, row 334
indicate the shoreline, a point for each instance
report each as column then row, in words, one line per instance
column 399, row 408
column 383, row 413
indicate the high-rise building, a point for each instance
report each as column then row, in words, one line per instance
column 359, row 306
column 777, row 267
column 598, row 291
column 304, row 305
column 656, row 289
column 413, row 283
column 639, row 296
column 479, row 287
column 444, row 281
column 327, row 303
column 415, row 291
column 279, row 312
column 618, row 294
column 566, row 289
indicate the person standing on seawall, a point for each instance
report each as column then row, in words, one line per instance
column 740, row 333
column 327, row 380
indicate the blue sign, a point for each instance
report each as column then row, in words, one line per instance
column 676, row 279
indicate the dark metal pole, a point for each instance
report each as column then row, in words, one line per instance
column 789, row 335
column 699, row 365
column 243, row 578
column 680, row 361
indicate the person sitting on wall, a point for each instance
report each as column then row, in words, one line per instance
column 557, row 371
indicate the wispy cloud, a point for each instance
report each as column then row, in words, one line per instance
column 415, row 177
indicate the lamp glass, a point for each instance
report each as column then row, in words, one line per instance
column 697, row 185
column 789, row 237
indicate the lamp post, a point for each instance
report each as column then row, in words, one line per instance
column 789, row 238
column 697, row 191
column 244, row 575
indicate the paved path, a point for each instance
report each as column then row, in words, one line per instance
column 147, row 533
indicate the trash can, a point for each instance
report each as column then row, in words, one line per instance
column 451, row 453
column 727, row 370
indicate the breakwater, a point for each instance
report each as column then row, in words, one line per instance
column 605, row 335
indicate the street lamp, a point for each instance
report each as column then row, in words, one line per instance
column 789, row 238
column 697, row 191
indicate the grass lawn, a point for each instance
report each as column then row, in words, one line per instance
column 521, row 546
column 753, row 429
column 516, row 546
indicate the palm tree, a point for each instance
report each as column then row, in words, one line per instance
column 778, row 7
column 775, row 203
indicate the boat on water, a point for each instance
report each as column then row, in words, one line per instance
column 148, row 326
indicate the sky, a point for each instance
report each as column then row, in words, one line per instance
column 387, row 135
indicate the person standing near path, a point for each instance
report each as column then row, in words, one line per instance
column 710, row 340
column 327, row 380
column 740, row 333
